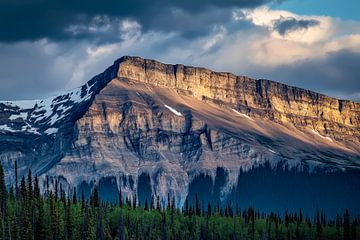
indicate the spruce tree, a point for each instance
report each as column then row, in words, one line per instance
column 100, row 235
column 164, row 233
column 83, row 203
column 197, row 205
column 95, row 198
column 209, row 209
column 168, row 202
column 146, row 208
column 318, row 225
column 41, row 227
column 186, row 206
column 158, row 206
column 69, row 221
column 54, row 217
column 16, row 179
column 338, row 226
column 74, row 197
column 3, row 193
column 29, row 185
column 25, row 221
column 121, row 228
column 120, row 198
column 134, row 201
column 300, row 216
column 36, row 188
column 1, row 225
column 346, row 225
column 353, row 230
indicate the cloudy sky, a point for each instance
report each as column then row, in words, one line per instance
column 47, row 47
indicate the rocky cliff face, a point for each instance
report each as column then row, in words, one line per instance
column 339, row 119
column 173, row 123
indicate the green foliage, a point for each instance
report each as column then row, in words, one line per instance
column 25, row 213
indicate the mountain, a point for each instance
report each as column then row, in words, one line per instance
column 151, row 128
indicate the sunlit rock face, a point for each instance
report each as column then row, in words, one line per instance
column 156, row 127
column 339, row 119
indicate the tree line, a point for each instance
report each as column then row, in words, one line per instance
column 27, row 213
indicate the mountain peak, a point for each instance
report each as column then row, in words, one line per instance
column 170, row 124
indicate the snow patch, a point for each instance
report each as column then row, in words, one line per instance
column 6, row 128
column 50, row 131
column 272, row 151
column 319, row 135
column 22, row 115
column 26, row 128
column 45, row 111
column 242, row 114
column 173, row 110
column 29, row 129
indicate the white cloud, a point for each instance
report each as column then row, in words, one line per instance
column 253, row 50
column 219, row 34
column 129, row 29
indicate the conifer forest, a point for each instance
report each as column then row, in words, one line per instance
column 29, row 213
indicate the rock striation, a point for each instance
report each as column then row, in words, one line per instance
column 339, row 119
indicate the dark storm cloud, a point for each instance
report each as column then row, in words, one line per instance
column 337, row 75
column 285, row 25
column 35, row 19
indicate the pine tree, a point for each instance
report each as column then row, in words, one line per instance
column 41, row 228
column 168, row 202
column 95, row 198
column 197, row 205
column 74, row 197
column 14, row 226
column 120, row 198
column 234, row 229
column 346, row 225
column 164, row 234
column 209, row 209
column 83, row 203
column 300, row 216
column 1, row 225
column 152, row 203
column 25, row 222
column 323, row 218
column 54, row 217
column 69, row 221
column 100, row 235
column 158, row 207
column 318, row 225
column 338, row 225
column 121, row 228
column 62, row 195
column 29, row 187
column 146, row 208
column 47, row 185
column 56, row 190
column 16, row 180
column 353, row 231
column 36, row 188
column 134, row 201
column 3, row 193
column 87, row 231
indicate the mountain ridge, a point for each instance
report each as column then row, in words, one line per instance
column 272, row 97
column 174, row 123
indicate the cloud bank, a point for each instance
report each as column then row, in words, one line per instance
column 244, row 37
